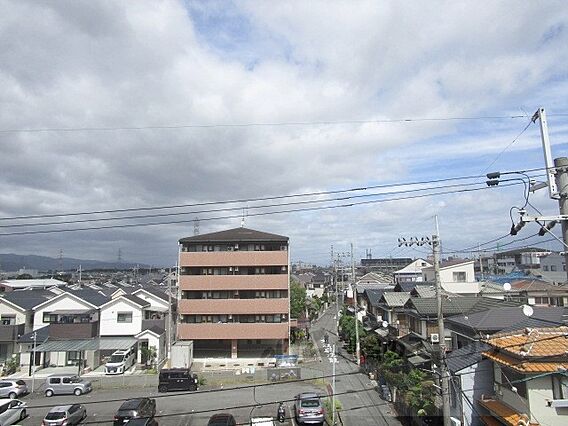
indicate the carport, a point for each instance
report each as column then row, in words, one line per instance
column 86, row 354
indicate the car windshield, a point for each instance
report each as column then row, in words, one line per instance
column 55, row 416
column 117, row 358
column 310, row 403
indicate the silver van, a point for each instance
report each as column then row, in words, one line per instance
column 60, row 384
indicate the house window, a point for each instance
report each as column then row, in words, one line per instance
column 8, row 319
column 545, row 268
column 415, row 325
column 459, row 277
column 553, row 268
column 559, row 387
column 49, row 318
column 124, row 317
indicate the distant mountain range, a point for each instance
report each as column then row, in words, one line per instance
column 15, row 262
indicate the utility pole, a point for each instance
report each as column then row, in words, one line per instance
column 32, row 363
column 357, row 343
column 333, row 359
column 444, row 373
column 561, row 165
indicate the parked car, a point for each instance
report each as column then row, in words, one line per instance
column 120, row 361
column 177, row 379
column 138, row 408
column 12, row 411
column 64, row 415
column 13, row 388
column 308, row 408
column 222, row 419
column 61, row 384
column 142, row 422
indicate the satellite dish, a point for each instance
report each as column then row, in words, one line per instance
column 527, row 310
column 507, row 286
column 385, row 324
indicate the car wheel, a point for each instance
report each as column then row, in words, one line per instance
column 162, row 388
column 77, row 392
column 49, row 393
column 12, row 395
column 23, row 415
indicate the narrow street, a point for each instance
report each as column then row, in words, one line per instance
column 361, row 407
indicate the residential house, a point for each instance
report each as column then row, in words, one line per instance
column 234, row 293
column 16, row 317
column 411, row 272
column 537, row 292
column 470, row 327
column 530, row 378
column 469, row 382
column 451, row 271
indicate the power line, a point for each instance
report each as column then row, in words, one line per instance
column 515, row 139
column 307, row 209
column 147, row 216
column 256, row 124
column 254, row 199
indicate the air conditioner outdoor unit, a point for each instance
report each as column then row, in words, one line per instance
column 435, row 338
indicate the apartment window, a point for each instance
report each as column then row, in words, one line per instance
column 124, row 317
column 459, row 277
column 553, row 268
column 559, row 387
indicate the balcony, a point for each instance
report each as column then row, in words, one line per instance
column 208, row 331
column 233, row 306
column 77, row 330
column 234, row 258
column 10, row 333
column 234, row 282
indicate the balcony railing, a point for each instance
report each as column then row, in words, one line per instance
column 233, row 306
column 209, row 331
column 234, row 282
column 10, row 333
column 234, row 258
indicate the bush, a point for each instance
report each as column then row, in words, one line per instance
column 328, row 411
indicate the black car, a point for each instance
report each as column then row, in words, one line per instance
column 177, row 379
column 138, row 408
column 222, row 419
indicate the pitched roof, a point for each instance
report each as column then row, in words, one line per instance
column 455, row 305
column 234, row 235
column 158, row 292
column 38, row 282
column 136, row 299
column 407, row 285
column 91, row 296
column 395, row 299
column 466, row 356
column 536, row 285
column 374, row 296
column 524, row 350
column 414, row 267
column 27, row 299
column 501, row 317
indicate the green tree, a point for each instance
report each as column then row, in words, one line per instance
column 347, row 326
column 371, row 346
column 297, row 299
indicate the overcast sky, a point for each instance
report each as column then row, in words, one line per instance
column 161, row 103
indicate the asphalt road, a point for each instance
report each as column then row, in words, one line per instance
column 361, row 405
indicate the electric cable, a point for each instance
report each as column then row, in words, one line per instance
column 257, row 124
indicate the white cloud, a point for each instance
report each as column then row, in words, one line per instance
column 108, row 64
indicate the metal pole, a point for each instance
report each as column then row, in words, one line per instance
column 561, row 165
column 441, row 332
column 33, row 361
column 333, row 387
column 357, row 343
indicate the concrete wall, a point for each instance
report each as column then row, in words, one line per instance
column 540, row 392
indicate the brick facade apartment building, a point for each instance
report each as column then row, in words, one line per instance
column 234, row 293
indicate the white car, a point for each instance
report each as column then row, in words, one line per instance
column 120, row 361
column 12, row 411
